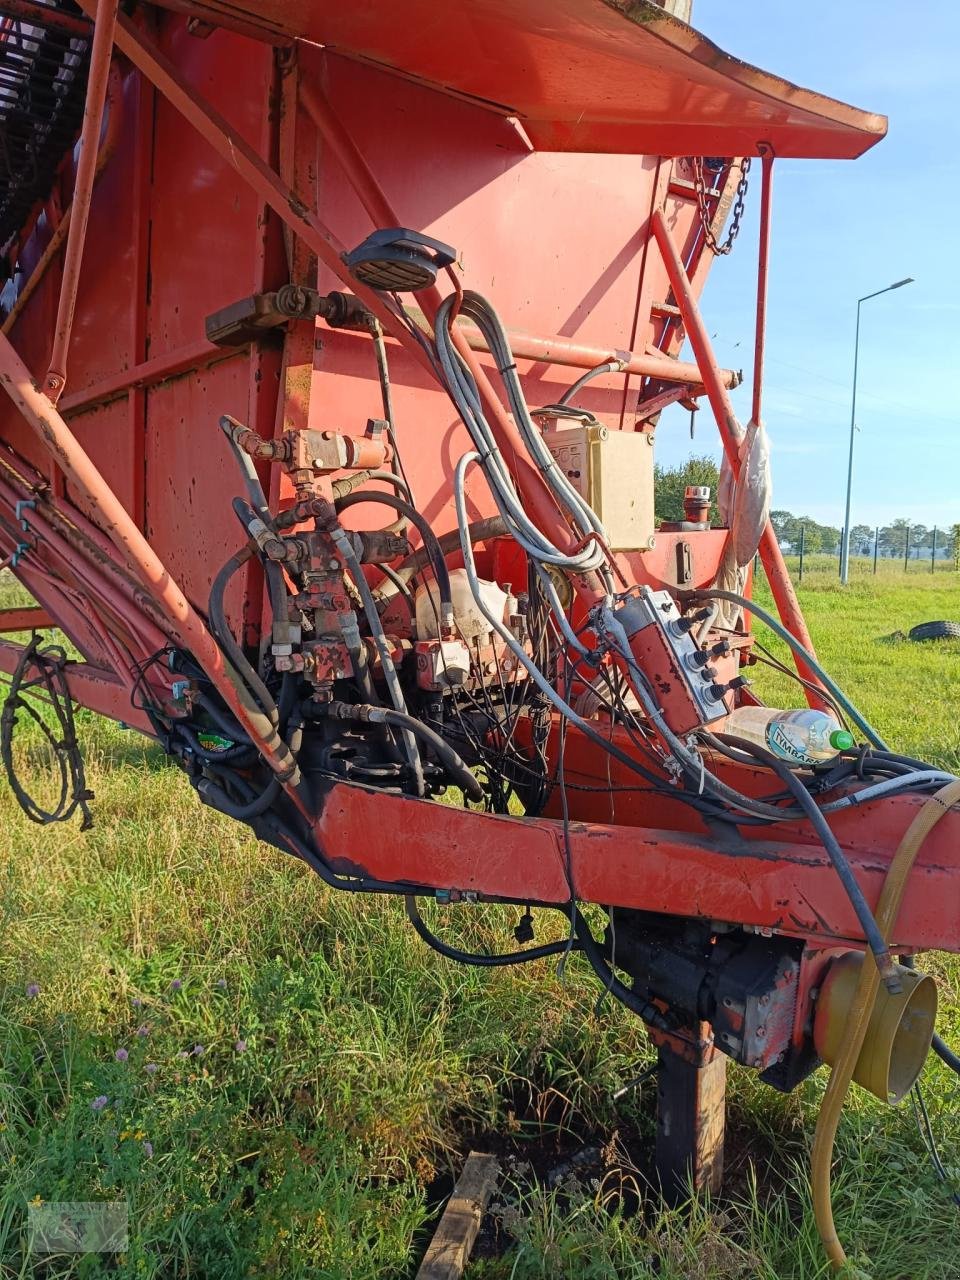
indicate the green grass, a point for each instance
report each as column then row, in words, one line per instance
column 344, row 1067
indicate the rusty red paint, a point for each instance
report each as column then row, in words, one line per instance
column 100, row 54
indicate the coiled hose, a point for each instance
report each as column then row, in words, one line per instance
column 859, row 1016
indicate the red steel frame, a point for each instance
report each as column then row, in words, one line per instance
column 92, row 547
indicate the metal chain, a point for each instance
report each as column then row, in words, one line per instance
column 736, row 218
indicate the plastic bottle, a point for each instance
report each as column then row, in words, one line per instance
column 801, row 737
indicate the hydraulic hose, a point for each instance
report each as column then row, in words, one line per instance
column 248, row 471
column 775, row 625
column 452, row 761
column 345, row 547
column 225, row 637
column 945, row 1054
column 851, row 886
column 858, row 1018
column 430, row 540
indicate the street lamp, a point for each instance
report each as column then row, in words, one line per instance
column 845, row 537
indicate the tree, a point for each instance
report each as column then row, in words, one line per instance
column 955, row 546
column 893, row 537
column 861, row 540
column 670, row 482
column 787, row 528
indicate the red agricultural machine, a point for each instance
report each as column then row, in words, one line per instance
column 335, row 342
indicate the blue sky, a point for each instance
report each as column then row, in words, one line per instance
column 842, row 229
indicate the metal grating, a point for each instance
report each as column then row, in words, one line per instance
column 44, row 56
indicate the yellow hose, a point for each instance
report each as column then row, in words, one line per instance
column 861, row 1010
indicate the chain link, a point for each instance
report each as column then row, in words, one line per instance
column 736, row 217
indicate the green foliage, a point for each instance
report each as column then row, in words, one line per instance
column 670, row 483
column 367, row 1062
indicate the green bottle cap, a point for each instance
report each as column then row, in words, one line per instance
column 842, row 740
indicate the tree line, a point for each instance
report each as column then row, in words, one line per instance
column 900, row 538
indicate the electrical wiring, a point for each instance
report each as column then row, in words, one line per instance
column 732, row 597
column 482, row 960
column 544, row 685
column 609, row 366
column 851, row 886
column 465, row 395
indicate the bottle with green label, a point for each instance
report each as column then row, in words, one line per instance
column 802, row 737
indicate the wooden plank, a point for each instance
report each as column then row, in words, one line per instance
column 691, row 1116
column 450, row 1248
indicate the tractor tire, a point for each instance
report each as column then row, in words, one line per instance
column 936, row 631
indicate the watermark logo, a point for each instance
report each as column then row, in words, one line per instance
column 78, row 1226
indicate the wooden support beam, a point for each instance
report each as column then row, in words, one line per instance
column 691, row 1114
column 449, row 1250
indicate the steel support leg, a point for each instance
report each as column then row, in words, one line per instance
column 691, row 1114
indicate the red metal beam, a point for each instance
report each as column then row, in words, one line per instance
column 554, row 349
column 108, row 147
column 97, row 77
column 44, row 15
column 186, row 628
column 776, row 883
column 89, row 686
column 787, row 603
column 763, row 261
column 186, row 359
column 25, row 619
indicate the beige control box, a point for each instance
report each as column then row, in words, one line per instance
column 613, row 470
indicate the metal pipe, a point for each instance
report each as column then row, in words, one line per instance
column 770, row 554
column 107, row 148
column 763, row 257
column 549, row 348
column 845, row 535
column 100, row 53
column 43, row 15
column 186, row 629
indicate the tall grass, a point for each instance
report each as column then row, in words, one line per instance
column 316, row 1069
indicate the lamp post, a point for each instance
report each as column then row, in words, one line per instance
column 845, row 536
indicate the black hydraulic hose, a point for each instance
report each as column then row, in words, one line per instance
column 249, row 473
column 480, row 959
column 945, row 1053
column 217, row 798
column 938, row 1045
column 871, row 930
column 452, row 761
column 225, row 637
column 611, row 983
column 430, row 540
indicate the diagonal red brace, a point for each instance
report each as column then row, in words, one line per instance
column 788, row 606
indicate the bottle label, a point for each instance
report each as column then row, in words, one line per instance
column 787, row 745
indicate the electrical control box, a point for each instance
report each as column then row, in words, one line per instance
column 613, row 470
column 693, row 686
